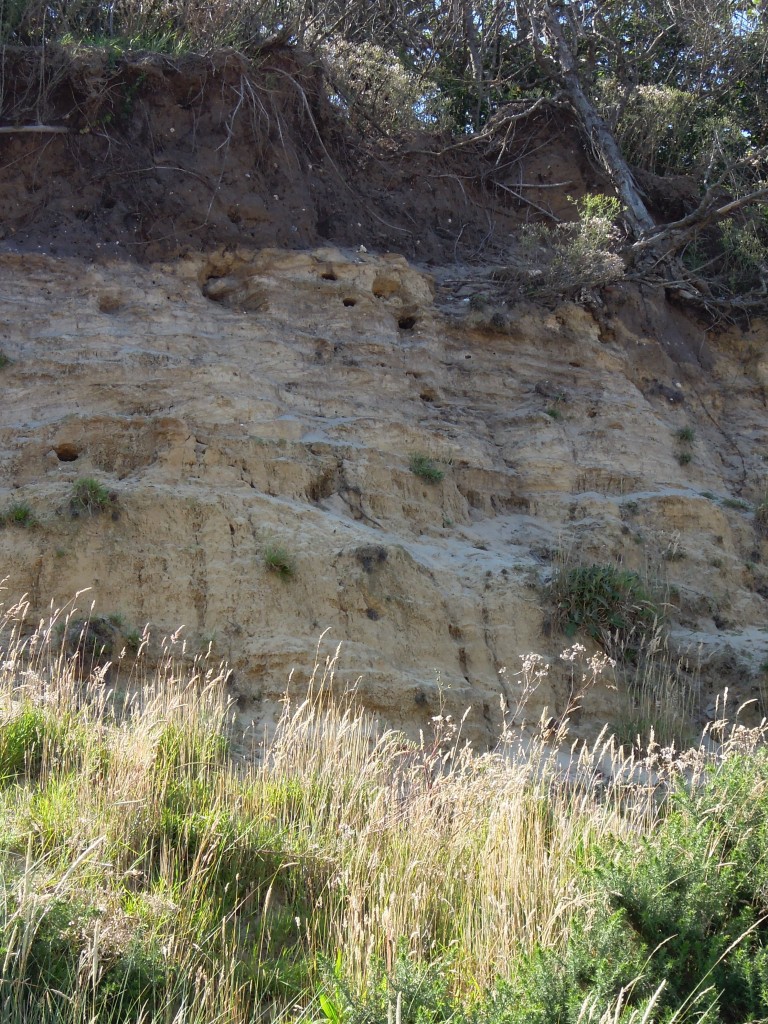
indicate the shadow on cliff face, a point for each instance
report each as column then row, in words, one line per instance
column 153, row 156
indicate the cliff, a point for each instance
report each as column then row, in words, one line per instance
column 313, row 410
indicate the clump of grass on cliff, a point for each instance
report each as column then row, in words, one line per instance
column 90, row 496
column 610, row 604
column 348, row 874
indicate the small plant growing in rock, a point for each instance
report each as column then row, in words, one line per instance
column 684, row 437
column 610, row 604
column 426, row 468
column 132, row 638
column 90, row 497
column 279, row 560
column 4, row 361
column 761, row 519
column 18, row 514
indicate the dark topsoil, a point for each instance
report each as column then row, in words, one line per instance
column 162, row 155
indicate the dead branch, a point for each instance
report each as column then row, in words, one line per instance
column 38, row 129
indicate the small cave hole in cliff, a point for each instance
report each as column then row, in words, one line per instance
column 350, row 302
column 66, row 453
column 406, row 323
column 329, row 276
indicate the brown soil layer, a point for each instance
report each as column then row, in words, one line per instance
column 161, row 156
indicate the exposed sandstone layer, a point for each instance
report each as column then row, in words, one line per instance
column 253, row 398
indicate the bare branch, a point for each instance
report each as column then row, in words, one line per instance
column 37, row 129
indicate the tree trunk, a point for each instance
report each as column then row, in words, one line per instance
column 595, row 128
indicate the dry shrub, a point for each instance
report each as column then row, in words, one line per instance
column 568, row 258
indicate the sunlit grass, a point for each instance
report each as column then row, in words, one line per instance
column 149, row 874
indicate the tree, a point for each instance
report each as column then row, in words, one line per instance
column 708, row 51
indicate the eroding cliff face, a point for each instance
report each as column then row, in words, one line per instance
column 244, row 400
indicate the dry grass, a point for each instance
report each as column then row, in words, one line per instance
column 238, row 878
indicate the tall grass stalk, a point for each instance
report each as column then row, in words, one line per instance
column 150, row 874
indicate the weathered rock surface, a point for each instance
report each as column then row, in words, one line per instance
column 243, row 400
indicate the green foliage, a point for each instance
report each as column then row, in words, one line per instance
column 611, row 605
column 655, row 124
column 89, row 497
column 685, row 435
column 684, row 458
column 22, row 741
column 567, row 258
column 425, row 468
column 133, row 981
column 744, row 254
column 279, row 560
column 736, row 503
column 92, row 640
column 421, row 991
column 761, row 519
column 692, row 890
column 374, row 85
column 18, row 514
column 4, row 361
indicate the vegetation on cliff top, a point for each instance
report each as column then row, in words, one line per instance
column 666, row 88
column 345, row 874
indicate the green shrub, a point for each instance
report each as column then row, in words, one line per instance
column 736, row 503
column 45, row 983
column 93, row 640
column 426, row 468
column 685, row 435
column 18, row 514
column 695, row 886
column 279, row 560
column 4, row 361
column 22, row 741
column 761, row 519
column 567, row 258
column 611, row 605
column 90, row 497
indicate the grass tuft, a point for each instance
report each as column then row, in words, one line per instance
column 89, row 497
column 611, row 605
column 426, row 468
column 279, row 560
column 19, row 514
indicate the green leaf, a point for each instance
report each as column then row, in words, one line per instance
column 330, row 1009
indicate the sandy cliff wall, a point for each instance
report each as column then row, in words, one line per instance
column 253, row 398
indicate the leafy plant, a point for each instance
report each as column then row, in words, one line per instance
column 279, row 560
column 684, row 458
column 736, row 503
column 90, row 497
column 4, row 361
column 18, row 514
column 570, row 257
column 22, row 742
column 611, row 605
column 93, row 640
column 426, row 468
column 685, row 435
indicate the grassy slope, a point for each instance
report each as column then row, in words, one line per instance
column 350, row 875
